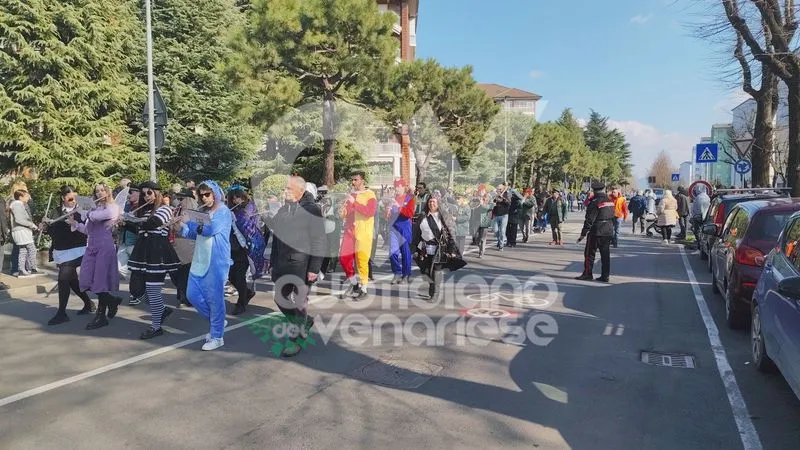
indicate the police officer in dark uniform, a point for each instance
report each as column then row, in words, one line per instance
column 598, row 229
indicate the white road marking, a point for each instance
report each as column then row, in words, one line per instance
column 126, row 362
column 747, row 431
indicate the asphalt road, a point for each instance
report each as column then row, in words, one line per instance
column 439, row 378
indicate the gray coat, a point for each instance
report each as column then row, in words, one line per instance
column 22, row 225
column 184, row 247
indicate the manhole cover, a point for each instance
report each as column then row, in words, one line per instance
column 398, row 373
column 668, row 360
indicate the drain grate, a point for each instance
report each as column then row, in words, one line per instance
column 398, row 373
column 668, row 360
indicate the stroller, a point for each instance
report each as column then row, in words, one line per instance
column 652, row 224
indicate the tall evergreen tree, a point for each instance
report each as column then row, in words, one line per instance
column 299, row 51
column 66, row 84
column 205, row 139
column 600, row 137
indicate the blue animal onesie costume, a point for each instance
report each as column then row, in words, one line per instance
column 211, row 262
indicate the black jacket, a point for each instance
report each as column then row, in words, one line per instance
column 599, row 216
column 298, row 244
column 502, row 204
column 62, row 235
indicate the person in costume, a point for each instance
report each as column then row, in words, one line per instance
column 247, row 246
column 437, row 249
column 99, row 272
column 358, row 214
column 153, row 257
column 68, row 248
column 211, row 261
column 400, row 217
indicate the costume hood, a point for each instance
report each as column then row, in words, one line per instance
column 219, row 195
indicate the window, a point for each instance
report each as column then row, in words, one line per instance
column 736, row 226
column 790, row 243
column 768, row 226
column 712, row 210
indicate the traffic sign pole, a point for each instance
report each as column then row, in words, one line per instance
column 151, row 123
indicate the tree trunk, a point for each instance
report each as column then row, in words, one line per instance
column 329, row 138
column 794, row 136
column 530, row 178
column 763, row 133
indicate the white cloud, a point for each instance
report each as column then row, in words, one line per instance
column 535, row 74
column 647, row 141
column 640, row 19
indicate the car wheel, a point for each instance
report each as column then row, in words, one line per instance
column 733, row 311
column 714, row 287
column 758, row 350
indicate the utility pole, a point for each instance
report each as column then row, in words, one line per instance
column 151, row 123
column 505, row 140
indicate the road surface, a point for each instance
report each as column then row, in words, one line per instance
column 576, row 381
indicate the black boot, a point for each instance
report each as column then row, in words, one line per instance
column 88, row 308
column 99, row 320
column 113, row 305
column 59, row 318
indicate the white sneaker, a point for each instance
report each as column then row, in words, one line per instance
column 208, row 335
column 213, row 344
column 665, row 241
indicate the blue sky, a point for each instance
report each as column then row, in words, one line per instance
column 631, row 60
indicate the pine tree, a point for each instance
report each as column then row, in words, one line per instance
column 300, row 51
column 66, row 86
column 204, row 139
column 600, row 137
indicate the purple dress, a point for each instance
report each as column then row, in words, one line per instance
column 99, row 266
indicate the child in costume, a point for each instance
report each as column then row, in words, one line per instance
column 211, row 261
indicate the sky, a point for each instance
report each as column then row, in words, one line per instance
column 634, row 61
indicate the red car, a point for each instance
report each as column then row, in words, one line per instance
column 737, row 256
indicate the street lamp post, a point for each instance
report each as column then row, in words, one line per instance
column 151, row 123
column 505, row 140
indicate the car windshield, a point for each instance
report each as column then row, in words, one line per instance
column 767, row 226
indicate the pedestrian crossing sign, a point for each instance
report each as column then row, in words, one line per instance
column 706, row 153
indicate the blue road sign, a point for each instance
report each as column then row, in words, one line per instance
column 743, row 166
column 676, row 177
column 706, row 153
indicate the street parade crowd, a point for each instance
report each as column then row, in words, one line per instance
column 213, row 243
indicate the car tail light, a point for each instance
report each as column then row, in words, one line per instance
column 749, row 256
column 720, row 218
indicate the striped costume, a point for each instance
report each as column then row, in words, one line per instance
column 151, row 259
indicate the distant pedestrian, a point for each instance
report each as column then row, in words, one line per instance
column 683, row 211
column 667, row 215
column 556, row 210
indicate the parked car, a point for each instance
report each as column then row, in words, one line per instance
column 775, row 309
column 721, row 205
column 737, row 256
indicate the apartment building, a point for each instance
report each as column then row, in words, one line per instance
column 394, row 159
column 512, row 99
column 405, row 27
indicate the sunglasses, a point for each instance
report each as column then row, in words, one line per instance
column 206, row 194
column 69, row 199
column 148, row 192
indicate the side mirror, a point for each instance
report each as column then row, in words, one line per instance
column 790, row 287
column 711, row 229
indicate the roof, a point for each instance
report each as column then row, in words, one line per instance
column 775, row 204
column 497, row 91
